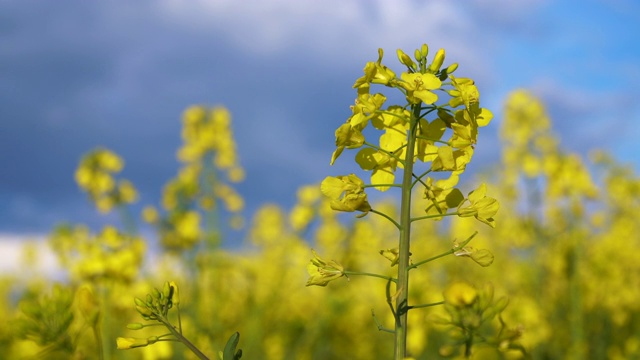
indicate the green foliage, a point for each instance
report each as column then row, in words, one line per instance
column 46, row 320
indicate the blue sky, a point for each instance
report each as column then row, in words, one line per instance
column 77, row 74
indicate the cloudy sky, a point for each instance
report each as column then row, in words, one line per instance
column 76, row 74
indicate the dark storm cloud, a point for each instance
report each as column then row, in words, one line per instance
column 77, row 75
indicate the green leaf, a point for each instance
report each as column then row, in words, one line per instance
column 230, row 352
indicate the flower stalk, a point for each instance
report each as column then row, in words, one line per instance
column 405, row 242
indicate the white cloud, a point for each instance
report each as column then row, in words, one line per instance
column 14, row 251
column 333, row 28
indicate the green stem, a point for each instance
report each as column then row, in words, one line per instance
column 419, row 179
column 98, row 336
column 379, row 325
column 449, row 252
column 402, row 286
column 432, row 216
column 388, row 278
column 182, row 339
column 426, row 305
column 399, row 116
column 386, row 217
column 179, row 319
column 467, row 346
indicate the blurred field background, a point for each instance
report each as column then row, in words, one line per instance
column 563, row 248
column 94, row 201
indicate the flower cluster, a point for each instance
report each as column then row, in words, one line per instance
column 210, row 165
column 155, row 307
column 444, row 135
column 470, row 313
column 110, row 254
column 95, row 175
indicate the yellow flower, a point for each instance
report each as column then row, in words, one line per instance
column 376, row 73
column 188, row 226
column 482, row 208
column 467, row 93
column 418, row 87
column 348, row 137
column 321, row 271
column 150, row 214
column 127, row 193
column 482, row 257
column 460, row 294
column 442, row 195
column 392, row 255
column 346, row 193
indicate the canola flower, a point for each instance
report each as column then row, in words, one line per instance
column 413, row 133
column 95, row 175
column 191, row 200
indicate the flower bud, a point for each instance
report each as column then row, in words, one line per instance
column 175, row 296
column 418, row 55
column 424, row 51
column 156, row 293
column 166, row 291
column 135, row 326
column 130, row 343
column 453, row 67
column 405, row 59
column 437, row 62
column 144, row 310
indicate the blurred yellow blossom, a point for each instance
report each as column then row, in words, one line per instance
column 460, row 294
column 95, row 175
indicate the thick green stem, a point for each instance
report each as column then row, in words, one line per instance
column 404, row 242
